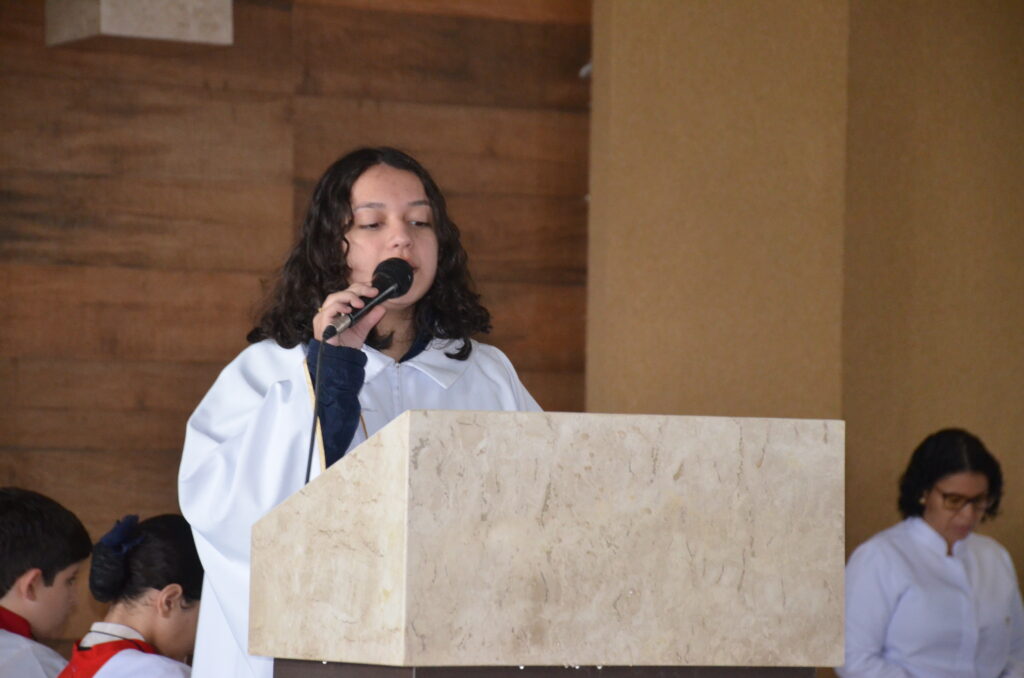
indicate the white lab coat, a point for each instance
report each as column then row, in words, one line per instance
column 245, row 452
column 912, row 611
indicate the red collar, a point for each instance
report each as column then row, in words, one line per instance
column 15, row 623
column 85, row 663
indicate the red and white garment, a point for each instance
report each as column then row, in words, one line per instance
column 118, row 651
column 20, row 654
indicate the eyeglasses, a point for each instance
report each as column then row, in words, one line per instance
column 954, row 502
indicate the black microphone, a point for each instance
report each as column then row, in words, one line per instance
column 392, row 278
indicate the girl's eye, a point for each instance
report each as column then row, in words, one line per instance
column 421, row 224
column 371, row 225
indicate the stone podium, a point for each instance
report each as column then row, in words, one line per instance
column 476, row 543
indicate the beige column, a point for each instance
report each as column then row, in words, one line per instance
column 933, row 329
column 715, row 243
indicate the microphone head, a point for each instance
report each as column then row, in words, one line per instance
column 395, row 272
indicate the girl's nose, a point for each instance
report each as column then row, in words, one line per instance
column 401, row 235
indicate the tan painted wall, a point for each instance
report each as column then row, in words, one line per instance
column 715, row 265
column 933, row 328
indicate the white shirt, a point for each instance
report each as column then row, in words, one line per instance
column 131, row 663
column 21, row 657
column 914, row 612
column 245, row 452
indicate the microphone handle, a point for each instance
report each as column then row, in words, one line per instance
column 343, row 321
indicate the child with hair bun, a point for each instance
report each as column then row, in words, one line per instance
column 150, row 573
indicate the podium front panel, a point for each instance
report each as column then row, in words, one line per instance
column 539, row 539
column 291, row 668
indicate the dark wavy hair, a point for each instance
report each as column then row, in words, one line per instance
column 316, row 265
column 36, row 531
column 134, row 557
column 945, row 452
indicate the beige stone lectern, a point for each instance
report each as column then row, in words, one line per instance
column 476, row 543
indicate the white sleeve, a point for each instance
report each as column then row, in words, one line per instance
column 870, row 603
column 1015, row 665
column 523, row 400
column 32, row 660
column 244, row 453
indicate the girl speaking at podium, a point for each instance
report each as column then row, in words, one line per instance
column 247, row 444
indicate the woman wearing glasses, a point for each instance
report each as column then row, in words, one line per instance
column 928, row 597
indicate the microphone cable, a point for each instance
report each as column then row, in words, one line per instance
column 316, row 408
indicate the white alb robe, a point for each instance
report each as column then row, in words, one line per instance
column 25, row 658
column 130, row 662
column 136, row 664
column 245, row 452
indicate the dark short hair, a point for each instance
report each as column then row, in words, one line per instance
column 943, row 453
column 152, row 554
column 37, row 532
column 315, row 267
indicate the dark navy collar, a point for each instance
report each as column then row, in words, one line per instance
column 422, row 341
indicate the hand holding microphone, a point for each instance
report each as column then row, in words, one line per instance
column 392, row 278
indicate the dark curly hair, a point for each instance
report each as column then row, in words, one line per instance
column 316, row 265
column 945, row 452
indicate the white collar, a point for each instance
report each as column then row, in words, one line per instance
column 107, row 632
column 431, row 361
column 934, row 541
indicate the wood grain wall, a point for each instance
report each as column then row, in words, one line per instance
column 147, row 189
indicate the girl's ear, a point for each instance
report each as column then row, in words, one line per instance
column 169, row 598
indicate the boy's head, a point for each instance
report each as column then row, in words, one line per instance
column 42, row 546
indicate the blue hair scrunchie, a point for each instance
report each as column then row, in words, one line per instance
column 124, row 536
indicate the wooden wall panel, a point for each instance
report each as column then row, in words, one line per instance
column 555, row 391
column 149, row 189
column 468, row 150
column 148, row 385
column 122, row 313
column 77, row 126
column 515, row 237
column 537, row 325
column 548, row 11
column 137, row 222
column 93, row 429
column 370, row 54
